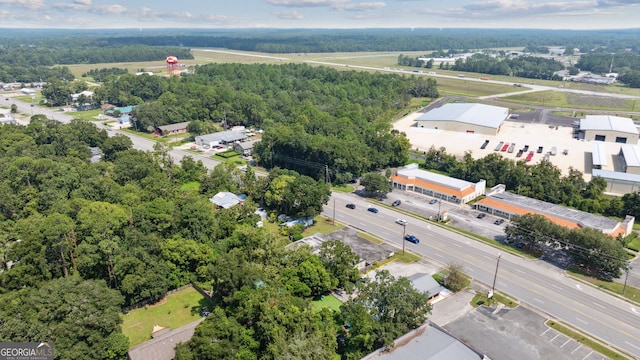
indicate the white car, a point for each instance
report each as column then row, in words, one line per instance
column 401, row 222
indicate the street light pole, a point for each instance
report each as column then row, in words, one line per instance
column 404, row 231
column 334, row 211
column 439, row 209
column 495, row 276
column 627, row 268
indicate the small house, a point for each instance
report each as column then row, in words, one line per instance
column 171, row 129
column 246, row 147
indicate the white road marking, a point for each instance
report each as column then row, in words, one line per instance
column 582, row 321
column 538, row 300
column 565, row 343
column 578, row 287
column 633, row 310
column 589, row 354
column 628, row 343
column 598, row 305
column 545, row 331
column 576, row 349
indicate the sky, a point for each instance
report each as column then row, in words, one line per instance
column 218, row 14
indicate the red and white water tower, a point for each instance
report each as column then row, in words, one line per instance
column 173, row 67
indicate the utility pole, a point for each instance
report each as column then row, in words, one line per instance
column 627, row 268
column 439, row 209
column 334, row 211
column 404, row 231
column 495, row 276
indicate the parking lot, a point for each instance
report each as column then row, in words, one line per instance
column 530, row 129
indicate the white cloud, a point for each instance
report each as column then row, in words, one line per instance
column 27, row 4
column 82, row 2
column 365, row 6
column 307, row 3
column 289, row 15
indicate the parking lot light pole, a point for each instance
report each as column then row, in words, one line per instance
column 439, row 209
column 404, row 230
column 495, row 276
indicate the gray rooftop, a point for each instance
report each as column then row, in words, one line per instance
column 599, row 154
column 412, row 171
column 631, row 154
column 227, row 136
column 163, row 347
column 429, row 342
column 617, row 175
column 583, row 218
column 247, row 145
column 226, row 199
column 425, row 283
column 608, row 123
column 475, row 114
column 174, row 127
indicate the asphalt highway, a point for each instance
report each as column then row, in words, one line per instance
column 535, row 283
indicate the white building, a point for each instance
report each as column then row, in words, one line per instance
column 442, row 187
column 630, row 156
column 221, row 138
column 465, row 117
column 609, row 128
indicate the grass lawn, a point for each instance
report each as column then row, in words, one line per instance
column 343, row 188
column 179, row 309
column 559, row 99
column 329, row 301
column 191, row 186
column 236, row 160
column 322, row 225
column 89, row 115
column 481, row 299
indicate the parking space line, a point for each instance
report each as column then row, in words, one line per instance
column 554, row 337
column 576, row 349
column 589, row 354
column 545, row 331
column 565, row 343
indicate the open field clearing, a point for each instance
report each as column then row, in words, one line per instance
column 570, row 100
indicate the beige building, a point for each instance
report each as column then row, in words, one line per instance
column 609, row 128
column 465, row 117
column 439, row 186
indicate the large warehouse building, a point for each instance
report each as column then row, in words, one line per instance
column 464, row 117
column 438, row 186
column 609, row 128
column 508, row 205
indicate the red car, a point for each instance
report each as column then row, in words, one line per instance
column 505, row 147
column 529, row 156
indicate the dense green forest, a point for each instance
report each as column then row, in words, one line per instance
column 543, row 181
column 33, row 63
column 79, row 240
column 311, row 116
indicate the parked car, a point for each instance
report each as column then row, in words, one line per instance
column 401, row 222
column 351, row 206
column 373, row 210
column 433, row 201
column 205, row 146
column 498, row 222
column 539, row 149
column 499, row 146
column 519, row 154
column 396, row 203
column 511, row 147
column 565, row 151
column 481, row 215
column 484, row 145
column 529, row 156
column 525, row 148
column 505, row 147
column 412, row 239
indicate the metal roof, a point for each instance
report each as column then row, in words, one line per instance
column 428, row 342
column 616, row 175
column 226, row 199
column 599, row 154
column 174, row 127
column 631, row 154
column 226, row 136
column 608, row 123
column 580, row 217
column 425, row 283
column 412, row 171
column 474, row 114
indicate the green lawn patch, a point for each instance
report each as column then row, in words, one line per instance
column 407, row 258
column 634, row 242
column 322, row 225
column 191, row 186
column 178, row 310
column 588, row 342
column 481, row 299
column 630, row 292
column 89, row 115
column 233, row 159
column 327, row 301
column 343, row 188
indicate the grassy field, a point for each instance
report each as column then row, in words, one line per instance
column 329, row 301
column 346, row 188
column 179, row 309
column 322, row 225
column 89, row 115
column 558, row 99
column 481, row 299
